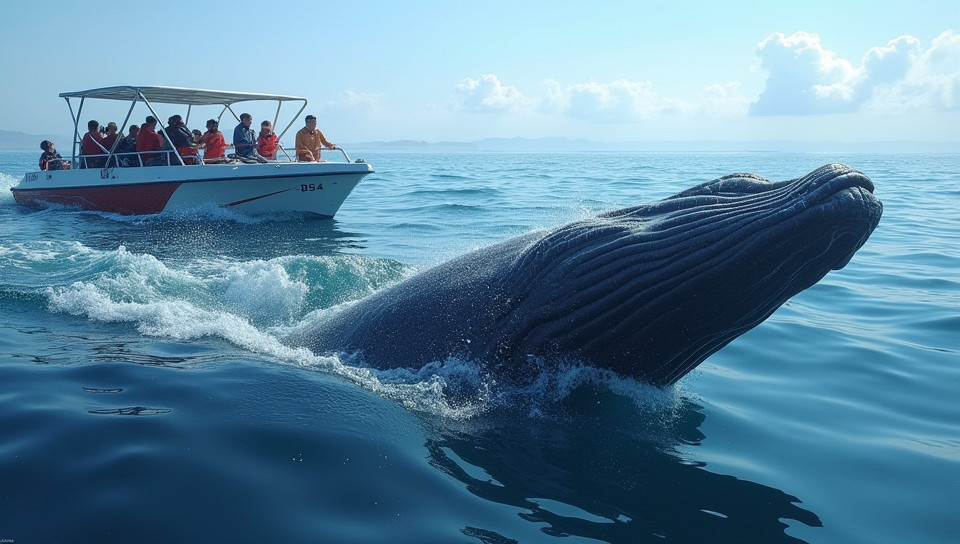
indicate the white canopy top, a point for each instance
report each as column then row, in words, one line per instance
column 176, row 95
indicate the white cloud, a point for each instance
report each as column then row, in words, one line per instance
column 931, row 81
column 805, row 78
column 357, row 102
column 618, row 101
column 487, row 94
column 625, row 101
column 722, row 100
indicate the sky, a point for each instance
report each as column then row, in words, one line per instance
column 452, row 70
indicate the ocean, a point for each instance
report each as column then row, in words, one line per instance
column 146, row 394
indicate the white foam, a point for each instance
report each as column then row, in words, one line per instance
column 6, row 182
column 255, row 304
column 264, row 292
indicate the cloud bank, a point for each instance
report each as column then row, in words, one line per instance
column 807, row 79
column 803, row 78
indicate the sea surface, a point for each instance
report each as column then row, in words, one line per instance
column 146, row 394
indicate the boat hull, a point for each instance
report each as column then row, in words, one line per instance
column 254, row 189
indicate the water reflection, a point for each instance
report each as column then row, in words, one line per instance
column 610, row 478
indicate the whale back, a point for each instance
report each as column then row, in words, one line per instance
column 648, row 291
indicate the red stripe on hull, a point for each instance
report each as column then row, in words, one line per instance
column 251, row 199
column 123, row 199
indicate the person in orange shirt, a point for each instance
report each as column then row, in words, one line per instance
column 267, row 141
column 310, row 140
column 213, row 143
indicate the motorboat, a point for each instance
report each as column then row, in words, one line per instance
column 122, row 183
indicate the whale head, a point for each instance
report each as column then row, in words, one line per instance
column 651, row 291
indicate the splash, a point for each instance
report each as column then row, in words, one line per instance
column 255, row 304
column 6, row 182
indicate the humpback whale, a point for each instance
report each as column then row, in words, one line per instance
column 648, row 291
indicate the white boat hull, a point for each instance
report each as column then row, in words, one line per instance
column 254, row 189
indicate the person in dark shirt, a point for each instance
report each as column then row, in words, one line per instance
column 182, row 139
column 245, row 140
column 128, row 144
column 51, row 160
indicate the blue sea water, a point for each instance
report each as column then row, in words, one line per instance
column 146, row 396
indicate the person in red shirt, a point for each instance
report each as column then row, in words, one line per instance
column 93, row 144
column 111, row 136
column 267, row 141
column 213, row 143
column 148, row 140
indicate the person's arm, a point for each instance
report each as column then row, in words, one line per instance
column 325, row 142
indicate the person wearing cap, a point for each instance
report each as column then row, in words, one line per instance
column 51, row 160
column 310, row 140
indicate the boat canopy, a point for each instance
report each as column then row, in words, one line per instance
column 149, row 94
column 177, row 95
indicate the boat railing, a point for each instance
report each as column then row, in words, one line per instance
column 136, row 159
column 345, row 156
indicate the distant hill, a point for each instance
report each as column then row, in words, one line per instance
column 21, row 141
column 566, row 145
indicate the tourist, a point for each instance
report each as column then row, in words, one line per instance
column 147, row 141
column 245, row 140
column 182, row 139
column 213, row 144
column 127, row 145
column 51, row 160
column 267, row 141
column 111, row 136
column 310, row 140
column 92, row 145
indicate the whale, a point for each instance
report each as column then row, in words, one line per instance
column 648, row 292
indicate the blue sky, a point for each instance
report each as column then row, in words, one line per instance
column 452, row 70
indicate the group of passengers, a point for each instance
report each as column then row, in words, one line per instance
column 155, row 150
